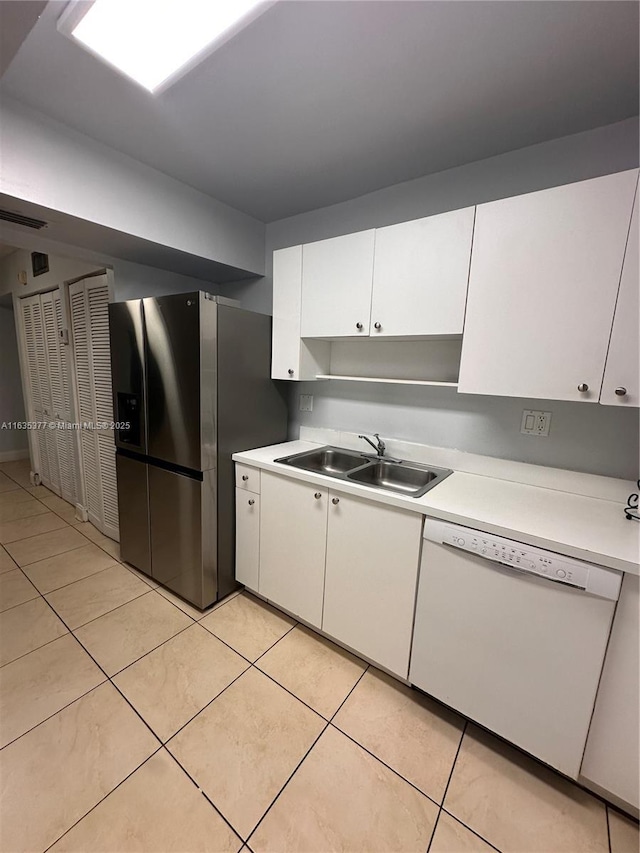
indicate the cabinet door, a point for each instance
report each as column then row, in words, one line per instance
column 293, row 532
column 420, row 275
column 544, row 277
column 621, row 372
column 612, row 754
column 371, row 577
column 287, row 295
column 247, row 538
column 337, row 276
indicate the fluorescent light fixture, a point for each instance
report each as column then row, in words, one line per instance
column 156, row 41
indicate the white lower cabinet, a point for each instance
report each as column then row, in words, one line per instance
column 293, row 534
column 346, row 565
column 371, row 577
column 247, row 538
column 612, row 755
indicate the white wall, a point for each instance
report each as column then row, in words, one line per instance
column 48, row 164
column 583, row 437
column 131, row 280
column 11, row 400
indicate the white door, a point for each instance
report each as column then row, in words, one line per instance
column 34, row 352
column 293, row 532
column 420, row 275
column 621, row 386
column 51, row 384
column 545, row 269
column 337, row 276
column 66, row 442
column 89, row 300
column 248, row 538
column 287, row 293
column 371, row 577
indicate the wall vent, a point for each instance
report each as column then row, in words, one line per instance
column 21, row 219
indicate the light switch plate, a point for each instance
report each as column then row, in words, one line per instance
column 306, row 402
column 535, row 423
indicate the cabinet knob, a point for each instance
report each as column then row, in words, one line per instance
column 359, row 326
column 583, row 387
column 621, row 392
column 318, row 495
column 377, row 326
column 245, row 477
column 251, row 501
column 335, row 501
column 290, row 371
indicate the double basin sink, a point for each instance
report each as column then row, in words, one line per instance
column 390, row 475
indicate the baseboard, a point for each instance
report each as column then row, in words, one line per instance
column 13, row 455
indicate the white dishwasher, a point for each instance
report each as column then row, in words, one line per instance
column 513, row 637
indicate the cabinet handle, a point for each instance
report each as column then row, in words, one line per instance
column 583, row 387
column 359, row 326
column 245, row 477
column 335, row 501
column 251, row 502
column 318, row 495
column 621, row 392
column 377, row 326
column 290, row 371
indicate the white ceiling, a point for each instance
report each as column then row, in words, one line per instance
column 317, row 102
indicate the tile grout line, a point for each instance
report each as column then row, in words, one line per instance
column 71, row 583
column 304, row 757
column 466, row 826
column 128, row 776
column 446, row 787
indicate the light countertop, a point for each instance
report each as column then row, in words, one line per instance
column 587, row 528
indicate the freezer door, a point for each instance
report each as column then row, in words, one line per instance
column 126, row 332
column 133, row 509
column 183, row 533
column 173, row 379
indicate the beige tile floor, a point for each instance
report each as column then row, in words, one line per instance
column 130, row 721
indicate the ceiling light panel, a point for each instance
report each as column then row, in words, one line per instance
column 156, row 41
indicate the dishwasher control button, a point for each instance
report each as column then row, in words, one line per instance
column 561, row 573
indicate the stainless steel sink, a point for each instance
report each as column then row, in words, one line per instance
column 390, row 475
column 331, row 461
column 396, row 477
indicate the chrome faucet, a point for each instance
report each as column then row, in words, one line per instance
column 380, row 447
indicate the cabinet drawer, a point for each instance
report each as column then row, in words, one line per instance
column 248, row 478
column 248, row 538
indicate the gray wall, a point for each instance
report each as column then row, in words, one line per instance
column 11, row 400
column 584, row 437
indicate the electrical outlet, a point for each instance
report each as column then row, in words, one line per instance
column 306, row 402
column 535, row 423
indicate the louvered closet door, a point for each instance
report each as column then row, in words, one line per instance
column 51, row 387
column 33, row 344
column 63, row 407
column 90, row 331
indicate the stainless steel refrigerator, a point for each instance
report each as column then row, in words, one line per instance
column 191, row 385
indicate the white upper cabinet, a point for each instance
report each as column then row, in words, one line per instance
column 420, row 275
column 292, row 357
column 542, row 290
column 287, row 294
column 336, row 286
column 621, row 386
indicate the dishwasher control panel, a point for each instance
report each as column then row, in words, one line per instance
column 503, row 551
column 526, row 558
